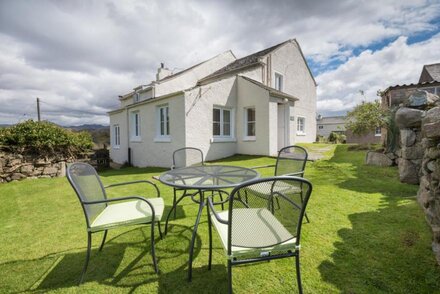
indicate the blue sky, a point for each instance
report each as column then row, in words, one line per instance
column 78, row 56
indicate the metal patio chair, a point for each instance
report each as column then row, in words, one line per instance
column 251, row 230
column 291, row 161
column 100, row 212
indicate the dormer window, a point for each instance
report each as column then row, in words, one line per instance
column 136, row 96
column 278, row 82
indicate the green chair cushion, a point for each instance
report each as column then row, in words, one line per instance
column 127, row 213
column 256, row 227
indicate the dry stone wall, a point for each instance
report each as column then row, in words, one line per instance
column 18, row 167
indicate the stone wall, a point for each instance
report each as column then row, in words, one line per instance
column 18, row 167
column 429, row 190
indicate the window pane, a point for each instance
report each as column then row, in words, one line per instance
column 216, row 129
column 251, row 129
column 226, row 129
column 226, row 116
column 136, row 124
column 168, row 122
column 251, row 114
column 216, row 115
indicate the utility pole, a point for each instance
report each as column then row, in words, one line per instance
column 38, row 108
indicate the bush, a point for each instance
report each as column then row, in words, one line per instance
column 335, row 138
column 44, row 138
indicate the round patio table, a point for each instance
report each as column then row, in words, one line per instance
column 204, row 178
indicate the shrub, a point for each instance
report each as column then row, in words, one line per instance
column 335, row 138
column 44, row 138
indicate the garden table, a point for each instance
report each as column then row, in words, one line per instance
column 204, row 178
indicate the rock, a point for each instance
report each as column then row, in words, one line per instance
column 408, row 172
column 407, row 137
column 414, row 152
column 428, row 143
column 26, row 169
column 432, row 153
column 431, row 166
column 13, row 162
column 379, row 159
column 391, row 155
column 408, row 117
column 50, row 171
column 421, row 99
column 423, row 196
column 62, row 170
column 17, row 176
column 432, row 130
column 432, row 115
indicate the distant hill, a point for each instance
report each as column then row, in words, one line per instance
column 87, row 127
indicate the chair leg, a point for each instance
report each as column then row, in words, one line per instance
column 298, row 274
column 230, row 276
column 174, row 202
column 169, row 213
column 153, row 252
column 160, row 230
column 103, row 240
column 210, row 240
column 89, row 247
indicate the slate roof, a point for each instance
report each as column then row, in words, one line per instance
column 246, row 61
column 433, row 71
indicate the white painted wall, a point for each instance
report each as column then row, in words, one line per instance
column 287, row 60
column 251, row 95
column 119, row 154
column 189, row 79
column 199, row 103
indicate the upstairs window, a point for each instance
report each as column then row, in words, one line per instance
column 135, row 126
column 278, row 82
column 163, row 121
column 221, row 122
column 116, row 136
column 249, row 115
column 301, row 125
column 378, row 132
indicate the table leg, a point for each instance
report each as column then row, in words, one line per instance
column 194, row 234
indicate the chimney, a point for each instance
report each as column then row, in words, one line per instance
column 162, row 72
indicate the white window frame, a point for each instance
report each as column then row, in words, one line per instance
column 165, row 136
column 135, row 128
column 246, row 136
column 281, row 84
column 298, row 131
column 378, row 132
column 116, row 136
column 222, row 137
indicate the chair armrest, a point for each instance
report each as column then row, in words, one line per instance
column 136, row 182
column 262, row 166
column 211, row 206
column 122, row 199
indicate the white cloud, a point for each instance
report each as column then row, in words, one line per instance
column 397, row 63
column 80, row 55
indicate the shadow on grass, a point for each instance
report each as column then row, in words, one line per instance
column 386, row 250
column 121, row 265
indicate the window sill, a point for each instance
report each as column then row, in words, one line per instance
column 300, row 134
column 116, row 147
column 223, row 140
column 136, row 140
column 162, row 139
column 377, row 135
column 249, row 139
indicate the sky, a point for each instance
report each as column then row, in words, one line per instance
column 79, row 56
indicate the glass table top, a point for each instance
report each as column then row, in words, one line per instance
column 208, row 176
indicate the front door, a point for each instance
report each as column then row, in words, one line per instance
column 281, row 126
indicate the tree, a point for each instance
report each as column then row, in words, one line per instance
column 366, row 117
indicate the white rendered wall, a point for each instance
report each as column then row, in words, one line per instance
column 251, row 95
column 119, row 154
column 287, row 60
column 189, row 79
column 199, row 103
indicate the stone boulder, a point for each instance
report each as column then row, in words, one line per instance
column 421, row 99
column 379, row 159
column 408, row 171
column 408, row 117
column 407, row 137
column 414, row 152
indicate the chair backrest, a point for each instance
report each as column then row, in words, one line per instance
column 88, row 187
column 291, row 160
column 267, row 212
column 187, row 156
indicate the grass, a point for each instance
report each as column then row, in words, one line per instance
column 367, row 235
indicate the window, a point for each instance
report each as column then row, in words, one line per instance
column 136, row 97
column 378, row 132
column 301, row 125
column 163, row 123
column 221, row 122
column 249, row 118
column 135, row 126
column 278, row 82
column 321, row 127
column 116, row 136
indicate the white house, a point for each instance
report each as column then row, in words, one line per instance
column 252, row 105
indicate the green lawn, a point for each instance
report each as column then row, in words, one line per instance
column 367, row 235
